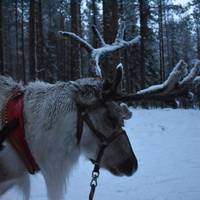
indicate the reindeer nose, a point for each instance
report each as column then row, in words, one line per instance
column 129, row 167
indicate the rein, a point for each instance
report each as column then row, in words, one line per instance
column 105, row 142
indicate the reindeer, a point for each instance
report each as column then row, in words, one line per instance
column 84, row 117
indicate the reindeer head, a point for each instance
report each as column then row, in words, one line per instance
column 106, row 120
column 104, row 116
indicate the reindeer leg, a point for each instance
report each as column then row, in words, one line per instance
column 54, row 187
column 24, row 185
column 5, row 186
column 13, row 172
column 54, row 191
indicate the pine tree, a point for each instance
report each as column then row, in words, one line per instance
column 196, row 15
column 75, row 48
column 32, row 64
column 143, row 9
column 130, row 57
column 22, row 43
column 161, row 41
column 17, row 38
column 110, row 26
column 1, row 40
column 39, row 41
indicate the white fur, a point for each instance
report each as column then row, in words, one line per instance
column 51, row 132
column 50, row 127
column 50, row 114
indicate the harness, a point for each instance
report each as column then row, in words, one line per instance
column 105, row 142
column 13, row 122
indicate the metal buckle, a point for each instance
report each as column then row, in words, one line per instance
column 95, row 176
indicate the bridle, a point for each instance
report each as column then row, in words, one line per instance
column 83, row 116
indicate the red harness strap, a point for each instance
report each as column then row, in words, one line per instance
column 14, row 110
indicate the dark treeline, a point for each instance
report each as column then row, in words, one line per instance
column 30, row 48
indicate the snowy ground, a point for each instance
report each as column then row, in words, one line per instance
column 167, row 145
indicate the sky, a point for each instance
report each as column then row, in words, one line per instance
column 183, row 2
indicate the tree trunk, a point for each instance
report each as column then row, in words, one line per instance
column 1, row 40
column 75, row 48
column 32, row 69
column 161, row 43
column 143, row 27
column 17, row 68
column 167, row 44
column 110, row 19
column 40, row 41
column 61, row 53
column 198, row 41
column 94, row 22
column 110, row 26
column 172, row 49
column 22, row 43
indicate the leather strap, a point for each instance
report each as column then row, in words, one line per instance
column 79, row 126
column 103, row 139
column 14, row 110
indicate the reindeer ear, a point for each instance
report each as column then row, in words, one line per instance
column 127, row 114
column 117, row 78
column 110, row 87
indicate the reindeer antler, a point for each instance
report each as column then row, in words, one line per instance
column 104, row 49
column 177, row 85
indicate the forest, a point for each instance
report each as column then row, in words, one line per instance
column 30, row 48
column 140, row 111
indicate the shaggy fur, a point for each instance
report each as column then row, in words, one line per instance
column 50, row 113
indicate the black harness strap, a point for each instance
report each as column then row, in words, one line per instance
column 92, row 191
column 103, row 139
column 79, row 125
column 105, row 142
column 95, row 172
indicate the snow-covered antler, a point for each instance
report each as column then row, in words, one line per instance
column 177, row 85
column 104, row 49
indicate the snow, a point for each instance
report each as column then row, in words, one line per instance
column 167, row 145
column 197, row 79
column 182, row 2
